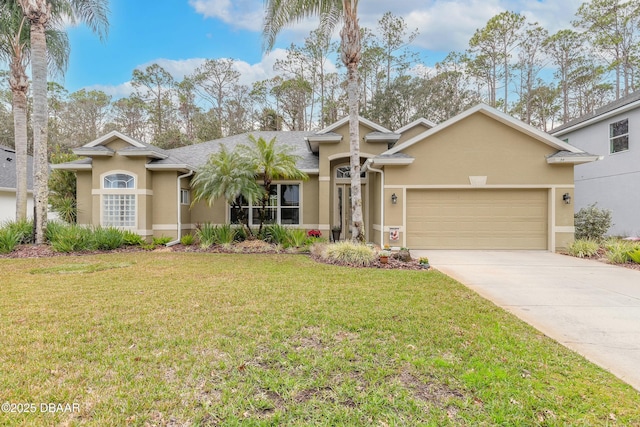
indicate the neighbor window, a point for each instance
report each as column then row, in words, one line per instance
column 118, row 209
column 619, row 136
column 283, row 206
column 184, row 196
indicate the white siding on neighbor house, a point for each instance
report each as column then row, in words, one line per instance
column 612, row 183
column 8, row 206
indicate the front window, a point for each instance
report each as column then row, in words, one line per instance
column 619, row 136
column 118, row 207
column 283, row 207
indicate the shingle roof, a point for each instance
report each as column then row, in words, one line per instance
column 197, row 154
column 8, row 168
column 632, row 97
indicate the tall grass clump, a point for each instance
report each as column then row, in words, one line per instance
column 276, row 234
column 634, row 256
column 617, row 251
column 24, row 229
column 206, row 235
column 72, row 238
column 583, row 248
column 187, row 239
column 350, row 253
column 107, row 238
column 224, row 234
column 9, row 239
column 298, row 237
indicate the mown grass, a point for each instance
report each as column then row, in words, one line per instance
column 225, row 339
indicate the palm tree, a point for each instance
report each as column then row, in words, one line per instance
column 281, row 13
column 272, row 163
column 15, row 49
column 44, row 14
column 228, row 175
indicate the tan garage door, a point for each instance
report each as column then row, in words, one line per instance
column 477, row 219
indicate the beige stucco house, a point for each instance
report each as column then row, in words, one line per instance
column 481, row 180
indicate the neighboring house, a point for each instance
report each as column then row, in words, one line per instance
column 480, row 180
column 614, row 132
column 8, row 184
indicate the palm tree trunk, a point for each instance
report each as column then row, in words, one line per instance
column 350, row 40
column 19, row 86
column 38, row 13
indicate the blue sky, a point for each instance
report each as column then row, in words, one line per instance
column 180, row 34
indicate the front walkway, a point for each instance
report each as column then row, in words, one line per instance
column 590, row 307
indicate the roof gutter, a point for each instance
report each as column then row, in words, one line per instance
column 179, row 229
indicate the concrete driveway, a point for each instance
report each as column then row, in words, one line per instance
column 588, row 306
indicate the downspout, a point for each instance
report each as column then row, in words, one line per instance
column 367, row 165
column 179, row 229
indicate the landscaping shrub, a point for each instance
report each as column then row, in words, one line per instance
column 347, row 252
column 297, row 237
column 206, row 235
column 187, row 239
column 72, row 238
column 634, row 256
column 224, row 234
column 9, row 239
column 129, row 238
column 592, row 223
column 24, row 229
column 583, row 248
column 107, row 238
column 276, row 234
column 53, row 229
column 617, row 251
column 160, row 241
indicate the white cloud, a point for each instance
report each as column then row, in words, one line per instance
column 243, row 14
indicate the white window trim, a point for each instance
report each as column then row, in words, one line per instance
column 120, row 191
column 185, row 196
column 611, row 138
column 278, row 207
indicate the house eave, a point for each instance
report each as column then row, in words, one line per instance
column 392, row 162
column 165, row 167
column 71, row 167
column 89, row 152
column 597, row 119
column 573, row 160
column 388, row 138
column 143, row 153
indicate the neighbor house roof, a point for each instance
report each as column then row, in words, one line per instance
column 619, row 106
column 8, row 169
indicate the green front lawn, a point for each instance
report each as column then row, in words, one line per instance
column 221, row 339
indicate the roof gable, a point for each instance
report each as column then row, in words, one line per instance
column 498, row 116
column 418, row 122
column 345, row 120
column 112, row 136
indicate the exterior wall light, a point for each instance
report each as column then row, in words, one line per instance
column 566, row 198
column 394, row 198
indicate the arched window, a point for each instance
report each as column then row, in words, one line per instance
column 118, row 208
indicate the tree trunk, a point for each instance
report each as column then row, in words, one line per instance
column 38, row 13
column 350, row 40
column 19, row 86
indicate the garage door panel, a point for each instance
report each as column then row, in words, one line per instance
column 477, row 219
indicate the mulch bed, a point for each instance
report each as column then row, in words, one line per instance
column 246, row 247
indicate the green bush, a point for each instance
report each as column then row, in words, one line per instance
column 634, row 256
column 129, row 238
column 298, row 237
column 224, row 234
column 107, row 238
column 592, row 223
column 617, row 251
column 53, row 229
column 347, row 252
column 24, row 228
column 72, row 238
column 276, row 234
column 160, row 241
column 9, row 239
column 206, row 235
column 583, row 248
column 187, row 239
